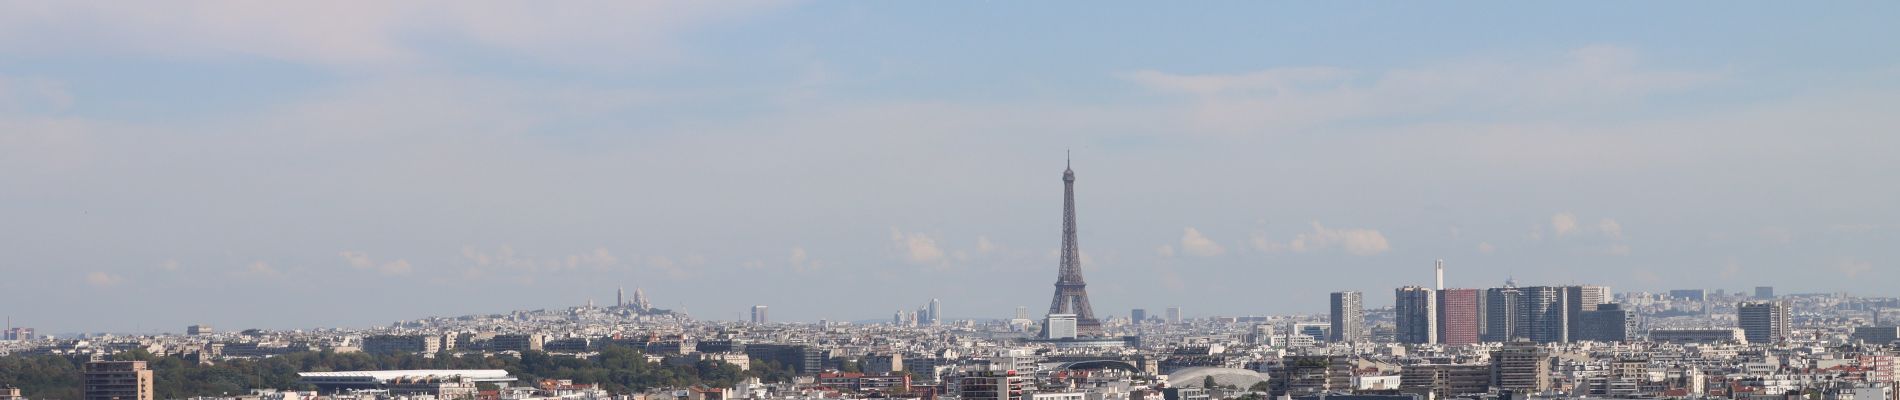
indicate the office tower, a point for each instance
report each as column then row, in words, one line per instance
column 1022, row 312
column 1521, row 366
column 1071, row 295
column 1607, row 323
column 1502, row 312
column 1416, row 311
column 118, row 380
column 199, row 329
column 1318, row 332
column 1059, row 326
column 1544, row 314
column 1763, row 321
column 1765, row 292
column 758, row 314
column 1174, row 315
column 1689, row 294
column 936, row 312
column 1439, row 267
column 1582, row 299
column 402, row 344
column 1458, row 321
column 1138, row 315
column 1875, row 334
column 897, row 318
column 1349, row 317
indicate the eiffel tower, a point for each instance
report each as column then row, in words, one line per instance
column 1071, row 294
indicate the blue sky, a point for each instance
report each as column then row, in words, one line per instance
column 284, row 166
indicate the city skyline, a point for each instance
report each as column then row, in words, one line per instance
column 243, row 167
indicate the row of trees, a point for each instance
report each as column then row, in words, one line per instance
column 617, row 369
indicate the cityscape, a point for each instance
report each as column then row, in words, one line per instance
column 359, row 201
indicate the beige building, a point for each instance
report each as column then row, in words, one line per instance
column 118, row 380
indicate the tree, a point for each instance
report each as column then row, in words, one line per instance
column 1207, row 382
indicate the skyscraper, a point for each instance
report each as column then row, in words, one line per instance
column 1502, row 313
column 1072, row 296
column 1544, row 314
column 1607, row 323
column 1138, row 315
column 1582, row 300
column 1348, row 317
column 1174, row 315
column 1763, row 321
column 936, row 312
column 1521, row 366
column 1765, row 292
column 1439, row 267
column 1458, row 316
column 1416, row 309
column 620, row 297
column 758, row 314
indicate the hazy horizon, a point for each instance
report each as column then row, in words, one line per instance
column 267, row 165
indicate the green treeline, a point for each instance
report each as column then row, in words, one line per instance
column 616, row 369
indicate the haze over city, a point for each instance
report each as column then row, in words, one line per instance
column 270, row 165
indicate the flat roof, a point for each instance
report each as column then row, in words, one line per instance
column 479, row 375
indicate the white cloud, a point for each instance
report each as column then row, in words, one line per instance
column 361, row 261
column 1165, row 251
column 917, row 247
column 1288, row 98
column 1853, row 268
column 1195, row 244
column 103, row 279
column 1363, row 242
column 1563, row 223
column 259, row 269
column 984, row 246
column 1611, row 228
column 1486, row 248
column 361, row 35
column 801, row 261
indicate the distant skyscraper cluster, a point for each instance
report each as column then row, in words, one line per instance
column 1458, row 316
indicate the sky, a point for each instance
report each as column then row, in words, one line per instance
column 298, row 165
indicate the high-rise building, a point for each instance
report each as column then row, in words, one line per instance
column 1765, row 292
column 118, row 380
column 1416, row 312
column 1458, row 318
column 758, row 314
column 1689, row 294
column 1502, row 313
column 1348, row 317
column 936, row 312
column 620, row 297
column 1521, row 366
column 199, row 329
column 19, row 333
column 1607, row 323
column 1022, row 312
column 1072, row 295
column 1583, row 299
column 1763, row 321
column 1174, row 315
column 1059, row 326
column 1138, row 315
column 1439, row 273
column 1544, row 314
